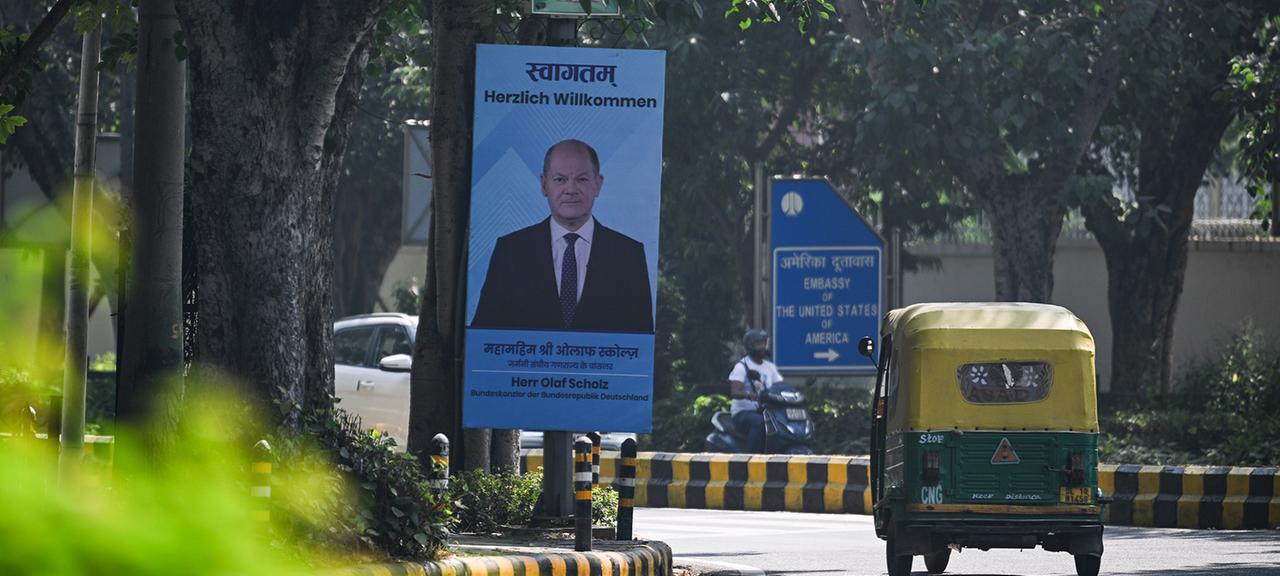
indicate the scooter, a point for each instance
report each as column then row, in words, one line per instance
column 787, row 428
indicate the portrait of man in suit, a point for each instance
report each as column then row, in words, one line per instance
column 569, row 271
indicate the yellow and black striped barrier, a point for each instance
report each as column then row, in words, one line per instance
column 582, row 494
column 648, row 559
column 626, row 489
column 1222, row 497
column 832, row 484
column 438, row 477
column 260, row 488
column 1228, row 498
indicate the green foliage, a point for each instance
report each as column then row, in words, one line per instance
column 9, row 122
column 392, row 510
column 21, row 399
column 104, row 362
column 484, row 502
column 406, row 297
column 1255, row 82
column 682, row 421
column 841, row 415
column 801, row 12
column 487, row 503
column 188, row 511
column 604, row 506
column 1223, row 412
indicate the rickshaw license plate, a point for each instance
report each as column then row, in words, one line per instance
column 795, row 414
column 1079, row 495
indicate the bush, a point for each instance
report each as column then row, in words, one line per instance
column 187, row 510
column 682, row 420
column 1222, row 413
column 392, row 511
column 841, row 417
column 484, row 502
column 604, row 506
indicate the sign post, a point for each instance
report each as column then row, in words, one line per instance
column 827, row 274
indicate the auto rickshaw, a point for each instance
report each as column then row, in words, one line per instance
column 985, row 433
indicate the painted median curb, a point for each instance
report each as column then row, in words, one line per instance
column 1229, row 498
column 1222, row 497
column 629, row 559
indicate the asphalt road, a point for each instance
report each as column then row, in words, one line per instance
column 754, row 543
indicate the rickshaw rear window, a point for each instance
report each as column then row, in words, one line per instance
column 1005, row 382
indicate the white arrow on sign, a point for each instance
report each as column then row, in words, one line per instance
column 830, row 355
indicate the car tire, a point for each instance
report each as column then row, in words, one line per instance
column 898, row 564
column 937, row 562
column 1088, row 564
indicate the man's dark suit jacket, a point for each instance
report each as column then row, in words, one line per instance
column 520, row 287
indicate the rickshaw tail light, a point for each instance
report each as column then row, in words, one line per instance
column 1075, row 468
column 931, row 464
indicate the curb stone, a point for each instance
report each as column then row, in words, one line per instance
column 635, row 558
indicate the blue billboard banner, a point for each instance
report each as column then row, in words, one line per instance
column 827, row 280
column 563, row 248
column 516, row 382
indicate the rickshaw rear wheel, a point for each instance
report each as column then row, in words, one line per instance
column 899, row 565
column 937, row 562
column 1088, row 564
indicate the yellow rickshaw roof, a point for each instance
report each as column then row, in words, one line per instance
column 933, row 341
column 906, row 323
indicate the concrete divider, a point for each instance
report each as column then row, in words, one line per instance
column 1228, row 498
column 832, row 484
column 1223, row 497
column 643, row 559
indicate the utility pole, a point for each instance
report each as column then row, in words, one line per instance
column 73, row 382
column 758, row 316
column 555, row 506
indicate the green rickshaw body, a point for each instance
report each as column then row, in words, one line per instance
column 985, row 432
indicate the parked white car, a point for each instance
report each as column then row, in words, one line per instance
column 609, row 441
column 373, row 354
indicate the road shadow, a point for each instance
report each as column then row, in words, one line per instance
column 1140, row 533
column 696, row 555
column 805, row 571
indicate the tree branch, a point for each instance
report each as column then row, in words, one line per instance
column 801, row 88
column 28, row 51
column 1088, row 110
column 858, row 23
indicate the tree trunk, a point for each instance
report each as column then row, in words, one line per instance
column 1024, row 234
column 149, row 387
column 318, row 391
column 435, row 398
column 504, row 453
column 267, row 79
column 1146, row 265
column 1143, row 285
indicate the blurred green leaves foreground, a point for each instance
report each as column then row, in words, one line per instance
column 338, row 496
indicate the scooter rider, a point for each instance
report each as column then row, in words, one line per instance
column 751, row 375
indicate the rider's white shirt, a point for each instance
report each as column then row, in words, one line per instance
column 768, row 376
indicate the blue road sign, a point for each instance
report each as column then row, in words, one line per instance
column 827, row 280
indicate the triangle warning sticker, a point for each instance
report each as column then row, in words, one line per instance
column 1004, row 453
